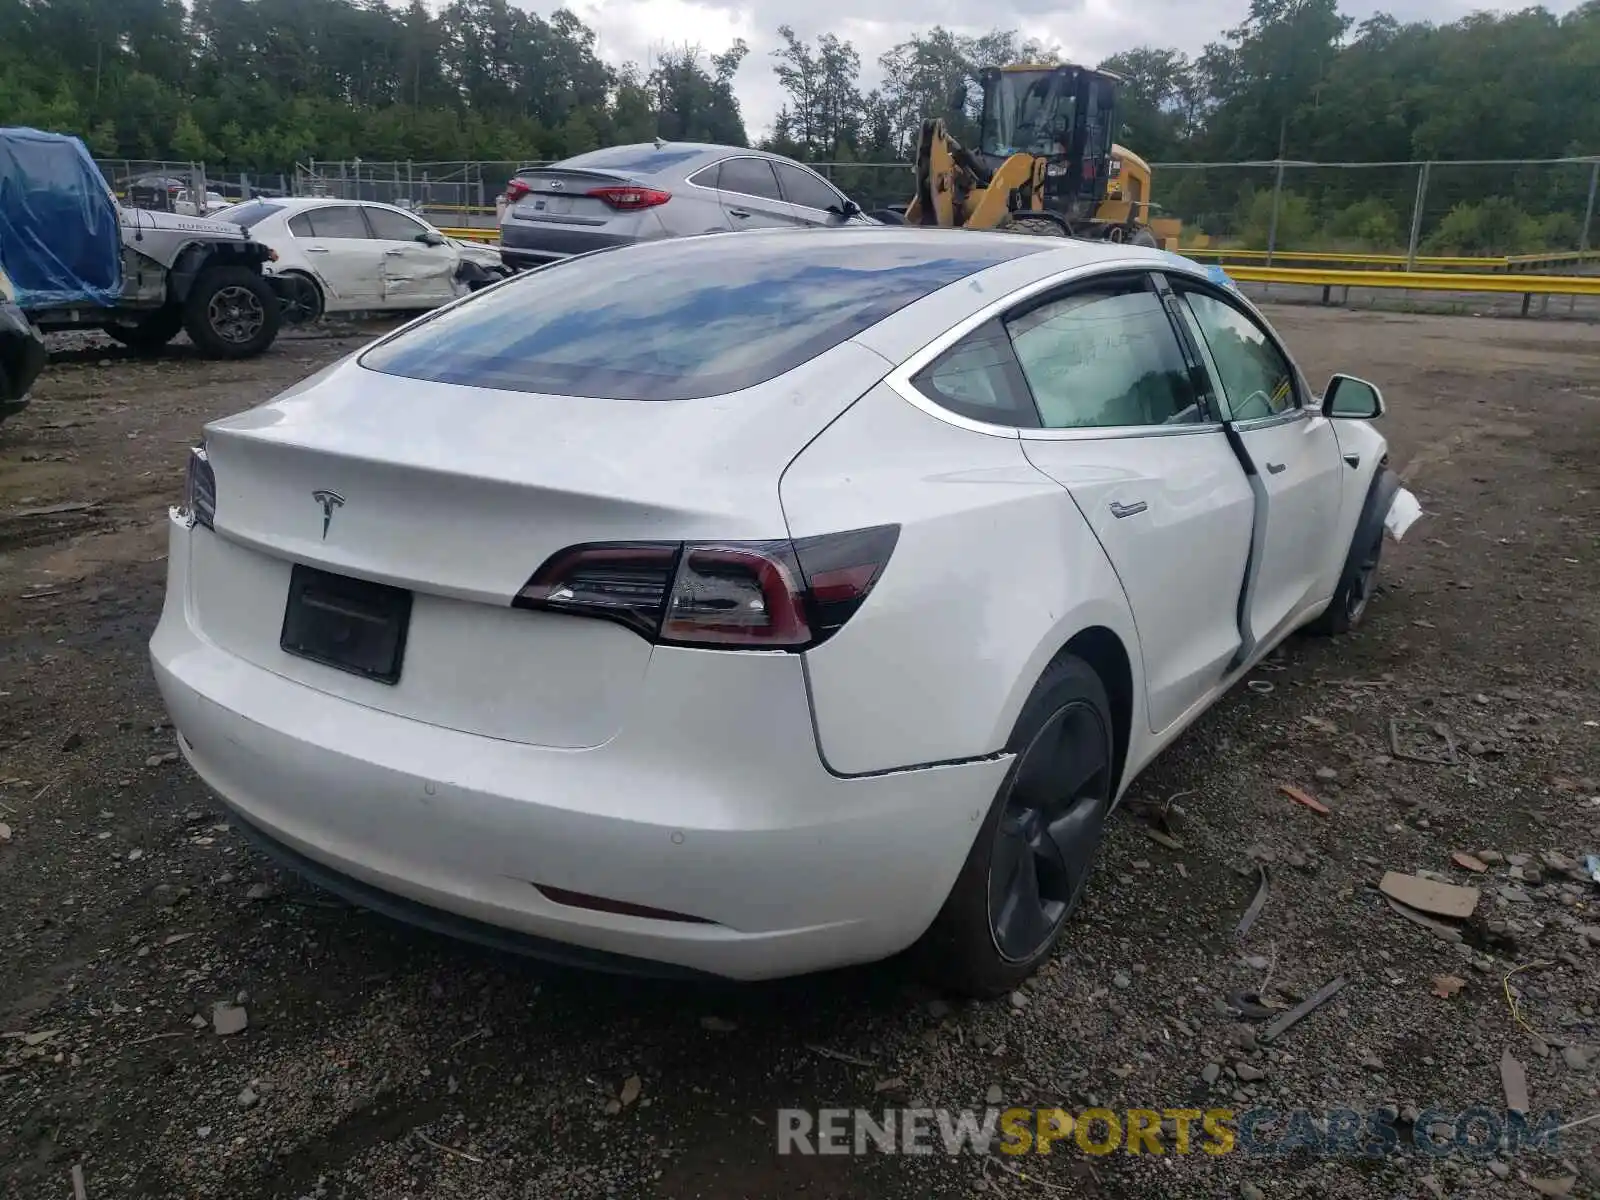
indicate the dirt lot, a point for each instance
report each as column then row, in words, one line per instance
column 383, row 1063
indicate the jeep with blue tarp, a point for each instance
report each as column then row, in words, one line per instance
column 77, row 259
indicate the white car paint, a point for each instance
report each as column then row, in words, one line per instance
column 356, row 269
column 806, row 809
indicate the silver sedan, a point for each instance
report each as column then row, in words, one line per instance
column 651, row 190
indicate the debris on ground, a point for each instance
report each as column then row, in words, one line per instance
column 1423, row 742
column 631, row 1087
column 840, row 1056
column 228, row 1019
column 1305, row 799
column 1254, row 910
column 717, row 1025
column 1469, row 862
column 1514, row 1081
column 1429, row 896
column 1304, row 1009
column 1446, row 986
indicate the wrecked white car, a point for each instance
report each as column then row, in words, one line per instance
column 341, row 256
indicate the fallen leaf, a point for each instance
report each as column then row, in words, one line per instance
column 1445, row 986
column 1469, row 862
column 5, row 832
column 631, row 1087
column 1305, row 798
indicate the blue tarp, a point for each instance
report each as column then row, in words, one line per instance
column 60, row 237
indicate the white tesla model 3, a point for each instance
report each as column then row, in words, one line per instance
column 756, row 604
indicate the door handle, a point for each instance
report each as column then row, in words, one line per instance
column 1120, row 510
column 738, row 212
column 393, row 253
column 1277, row 468
column 1353, row 460
column 316, row 249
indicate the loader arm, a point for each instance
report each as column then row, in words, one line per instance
column 955, row 190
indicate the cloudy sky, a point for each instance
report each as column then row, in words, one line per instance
column 1087, row 29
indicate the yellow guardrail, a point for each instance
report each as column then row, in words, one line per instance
column 1426, row 281
column 1503, row 263
column 472, row 235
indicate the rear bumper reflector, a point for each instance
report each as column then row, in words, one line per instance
column 621, row 907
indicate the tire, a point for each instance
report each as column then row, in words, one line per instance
column 301, row 302
column 1032, row 224
column 152, row 332
column 1350, row 600
column 232, row 312
column 1144, row 238
column 985, row 940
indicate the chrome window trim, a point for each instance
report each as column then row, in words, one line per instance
column 900, row 379
column 1276, row 419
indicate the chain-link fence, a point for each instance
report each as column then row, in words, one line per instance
column 1410, row 209
column 1406, row 209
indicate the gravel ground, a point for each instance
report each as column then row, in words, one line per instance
column 378, row 1062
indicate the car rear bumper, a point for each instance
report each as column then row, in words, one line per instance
column 530, row 243
column 711, row 806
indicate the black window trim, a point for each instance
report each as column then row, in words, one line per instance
column 1299, row 412
column 367, row 206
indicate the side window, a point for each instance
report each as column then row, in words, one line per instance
column 388, row 226
column 802, row 187
column 300, row 226
column 977, row 378
column 706, row 177
column 340, row 221
column 1258, row 380
column 1104, row 357
column 749, row 177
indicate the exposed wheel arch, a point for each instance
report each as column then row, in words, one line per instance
column 310, row 302
column 1103, row 650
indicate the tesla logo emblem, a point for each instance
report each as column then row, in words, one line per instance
column 555, row 185
column 329, row 501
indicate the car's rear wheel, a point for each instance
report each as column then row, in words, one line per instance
column 232, row 312
column 1027, row 870
column 151, row 332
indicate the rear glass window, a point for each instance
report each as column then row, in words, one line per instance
column 678, row 320
column 646, row 160
column 247, row 215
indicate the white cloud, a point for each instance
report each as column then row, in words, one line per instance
column 1088, row 30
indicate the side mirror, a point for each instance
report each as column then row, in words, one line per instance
column 849, row 209
column 1353, row 399
column 431, row 239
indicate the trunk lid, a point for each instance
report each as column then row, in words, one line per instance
column 457, row 494
column 558, row 192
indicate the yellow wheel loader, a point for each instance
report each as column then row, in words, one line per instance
column 1046, row 163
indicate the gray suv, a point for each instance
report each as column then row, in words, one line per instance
column 637, row 193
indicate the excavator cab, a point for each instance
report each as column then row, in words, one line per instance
column 1063, row 114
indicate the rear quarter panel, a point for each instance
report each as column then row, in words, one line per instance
column 994, row 572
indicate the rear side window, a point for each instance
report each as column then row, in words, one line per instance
column 678, row 319
column 978, row 378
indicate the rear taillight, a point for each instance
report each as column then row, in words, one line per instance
column 516, row 190
column 628, row 198
column 775, row 595
column 200, row 488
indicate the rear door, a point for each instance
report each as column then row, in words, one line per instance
column 415, row 274
column 750, row 195
column 342, row 251
column 814, row 199
column 1126, row 429
column 1289, row 447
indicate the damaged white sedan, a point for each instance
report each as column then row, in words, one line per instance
column 341, row 256
column 755, row 604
